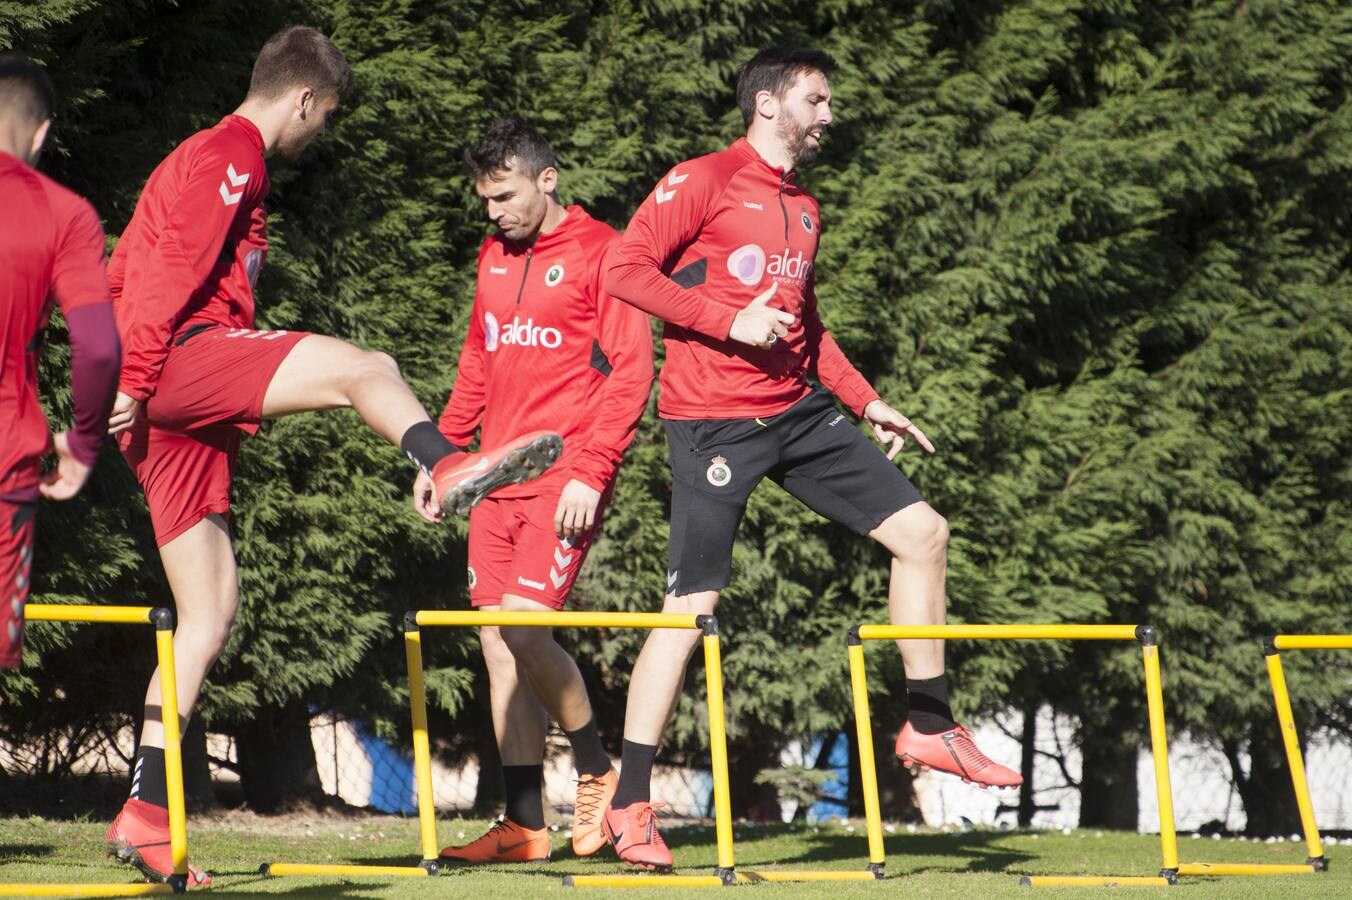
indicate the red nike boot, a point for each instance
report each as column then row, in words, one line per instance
column 140, row 836
column 633, row 833
column 953, row 752
column 463, row 479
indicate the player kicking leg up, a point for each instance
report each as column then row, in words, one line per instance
column 723, row 250
column 197, row 376
column 546, row 347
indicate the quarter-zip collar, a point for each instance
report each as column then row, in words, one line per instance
column 246, row 126
column 743, row 148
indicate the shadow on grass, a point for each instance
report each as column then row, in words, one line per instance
column 10, row 852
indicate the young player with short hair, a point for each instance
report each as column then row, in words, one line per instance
column 51, row 249
column 546, row 348
column 197, row 376
column 723, row 250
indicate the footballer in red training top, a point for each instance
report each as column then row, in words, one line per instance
column 51, row 248
column 547, row 347
column 724, row 250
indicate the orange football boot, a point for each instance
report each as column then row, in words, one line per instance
column 504, row 842
column 594, row 793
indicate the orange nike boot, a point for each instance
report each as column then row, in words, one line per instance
column 633, row 833
column 954, row 753
column 463, row 479
column 594, row 793
column 504, row 842
column 140, row 836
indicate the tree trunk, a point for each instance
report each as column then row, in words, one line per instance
column 1108, row 789
column 1266, row 791
column 197, row 789
column 276, row 758
column 751, row 753
column 1027, row 807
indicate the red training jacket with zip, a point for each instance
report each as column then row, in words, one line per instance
column 715, row 233
column 549, row 350
column 193, row 248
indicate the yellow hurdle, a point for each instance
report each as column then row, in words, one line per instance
column 1149, row 640
column 163, row 620
column 1312, row 642
column 342, row 871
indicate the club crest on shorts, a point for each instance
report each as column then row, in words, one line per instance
column 473, row 579
column 719, row 472
column 554, row 275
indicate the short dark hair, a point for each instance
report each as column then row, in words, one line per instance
column 25, row 88
column 774, row 69
column 297, row 56
column 509, row 140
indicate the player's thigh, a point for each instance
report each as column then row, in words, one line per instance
column 320, row 372
column 842, row 475
column 715, row 465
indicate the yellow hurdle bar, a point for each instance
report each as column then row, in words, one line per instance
column 163, row 620
column 83, row 890
column 472, row 618
column 1145, row 634
column 1295, row 761
column 1093, row 881
column 1312, row 642
column 60, row 612
column 806, row 875
column 1246, row 869
column 642, row 881
column 422, row 753
column 998, row 632
column 718, row 750
column 307, row 869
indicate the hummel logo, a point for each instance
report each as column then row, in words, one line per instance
column 526, row 582
column 497, row 270
column 671, row 579
column 834, row 422
column 236, row 180
column 751, row 205
column 673, row 180
column 562, row 561
column 557, row 577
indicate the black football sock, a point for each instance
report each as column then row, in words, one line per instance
column 928, row 701
column 589, row 757
column 148, row 782
column 426, row 446
column 524, row 804
column 636, row 773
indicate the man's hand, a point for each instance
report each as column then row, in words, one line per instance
column 576, row 512
column 758, row 324
column 68, row 477
column 425, row 498
column 891, row 427
column 126, row 411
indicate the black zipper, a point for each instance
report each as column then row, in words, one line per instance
column 782, row 208
column 526, row 271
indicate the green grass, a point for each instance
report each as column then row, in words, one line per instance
column 925, row 864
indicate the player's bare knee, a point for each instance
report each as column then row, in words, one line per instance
column 526, row 643
column 497, row 655
column 918, row 533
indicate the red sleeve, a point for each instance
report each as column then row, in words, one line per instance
column 465, row 407
column 224, row 176
column 664, row 225
column 830, row 365
column 626, row 340
column 80, row 288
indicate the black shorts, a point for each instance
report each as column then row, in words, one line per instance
column 811, row 450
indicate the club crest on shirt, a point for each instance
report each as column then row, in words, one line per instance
column 719, row 472
column 473, row 579
column 252, row 264
column 807, row 223
column 554, row 275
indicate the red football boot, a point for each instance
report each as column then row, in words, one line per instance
column 140, row 836
column 954, row 753
column 504, row 842
column 633, row 833
column 463, row 479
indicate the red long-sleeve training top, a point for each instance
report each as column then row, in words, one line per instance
column 716, row 232
column 549, row 350
column 193, row 248
column 51, row 248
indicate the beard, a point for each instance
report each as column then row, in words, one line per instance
column 802, row 149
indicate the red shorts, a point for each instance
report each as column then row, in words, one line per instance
column 513, row 549
column 210, row 394
column 16, row 571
